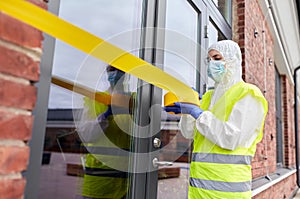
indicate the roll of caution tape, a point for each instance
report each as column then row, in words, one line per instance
column 170, row 98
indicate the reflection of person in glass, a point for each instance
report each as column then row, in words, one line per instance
column 106, row 142
column 225, row 128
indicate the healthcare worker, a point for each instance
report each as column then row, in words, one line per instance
column 106, row 163
column 225, row 128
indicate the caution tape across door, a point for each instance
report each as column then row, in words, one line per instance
column 96, row 47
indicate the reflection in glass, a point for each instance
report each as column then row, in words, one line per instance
column 105, row 132
column 88, row 139
column 181, row 41
column 106, row 19
column 225, row 8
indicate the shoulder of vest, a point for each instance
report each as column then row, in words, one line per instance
column 209, row 92
column 254, row 88
column 256, row 92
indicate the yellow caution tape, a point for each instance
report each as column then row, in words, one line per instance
column 97, row 47
column 122, row 100
column 101, row 97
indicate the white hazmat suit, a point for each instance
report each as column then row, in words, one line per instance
column 245, row 120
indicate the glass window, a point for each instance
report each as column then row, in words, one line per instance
column 86, row 152
column 180, row 52
column 181, row 59
column 279, row 135
column 225, row 8
column 104, row 19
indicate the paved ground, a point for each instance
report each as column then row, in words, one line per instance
column 54, row 183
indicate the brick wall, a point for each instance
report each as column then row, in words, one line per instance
column 259, row 72
column 281, row 190
column 257, row 49
column 20, row 53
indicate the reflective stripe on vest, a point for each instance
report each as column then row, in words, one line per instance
column 113, row 151
column 221, row 158
column 105, row 172
column 221, row 186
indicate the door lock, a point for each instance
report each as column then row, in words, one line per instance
column 156, row 142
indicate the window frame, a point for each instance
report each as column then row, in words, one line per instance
column 218, row 19
column 279, row 121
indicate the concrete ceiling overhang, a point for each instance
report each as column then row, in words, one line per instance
column 283, row 21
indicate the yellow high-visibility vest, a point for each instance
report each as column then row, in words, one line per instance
column 100, row 180
column 216, row 172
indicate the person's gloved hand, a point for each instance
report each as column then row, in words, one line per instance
column 103, row 116
column 174, row 109
column 191, row 109
column 185, row 108
column 107, row 112
column 115, row 110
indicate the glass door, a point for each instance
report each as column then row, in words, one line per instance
column 120, row 143
column 184, row 54
column 89, row 135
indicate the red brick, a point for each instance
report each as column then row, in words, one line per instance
column 241, row 17
column 18, row 64
column 17, row 95
column 14, row 126
column 241, row 11
column 17, row 32
column 242, row 36
column 12, row 188
column 241, row 5
column 241, row 23
column 13, row 159
column 241, row 30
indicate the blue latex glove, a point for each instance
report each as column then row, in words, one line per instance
column 185, row 108
column 174, row 109
column 105, row 115
column 191, row 109
column 107, row 112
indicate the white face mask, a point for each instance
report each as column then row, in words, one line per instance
column 216, row 70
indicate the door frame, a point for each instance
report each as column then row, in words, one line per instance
column 36, row 144
column 144, row 185
column 153, row 42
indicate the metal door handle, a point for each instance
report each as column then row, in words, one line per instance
column 157, row 163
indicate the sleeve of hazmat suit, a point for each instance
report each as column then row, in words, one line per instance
column 90, row 129
column 187, row 126
column 240, row 130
